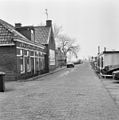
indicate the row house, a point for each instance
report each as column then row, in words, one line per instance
column 44, row 36
column 26, row 51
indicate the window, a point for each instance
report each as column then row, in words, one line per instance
column 42, row 63
column 28, row 62
column 18, row 52
column 32, row 35
column 22, row 62
column 32, row 32
column 102, row 62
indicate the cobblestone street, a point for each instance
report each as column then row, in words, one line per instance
column 71, row 94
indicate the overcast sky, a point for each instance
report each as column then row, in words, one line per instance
column 91, row 22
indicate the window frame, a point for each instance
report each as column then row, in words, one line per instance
column 28, row 59
column 22, row 66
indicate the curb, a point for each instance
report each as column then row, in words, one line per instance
column 43, row 75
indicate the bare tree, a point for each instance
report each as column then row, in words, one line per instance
column 68, row 45
column 57, row 31
column 64, row 42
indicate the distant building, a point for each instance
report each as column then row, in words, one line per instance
column 60, row 58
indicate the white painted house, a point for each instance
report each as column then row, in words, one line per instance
column 108, row 58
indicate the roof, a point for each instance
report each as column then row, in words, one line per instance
column 42, row 34
column 12, row 30
column 16, row 34
column 108, row 52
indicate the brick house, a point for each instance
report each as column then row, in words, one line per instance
column 44, row 36
column 20, row 56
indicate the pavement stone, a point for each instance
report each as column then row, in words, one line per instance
column 112, row 87
column 45, row 74
column 71, row 94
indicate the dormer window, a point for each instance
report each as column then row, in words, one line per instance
column 32, row 35
column 31, row 31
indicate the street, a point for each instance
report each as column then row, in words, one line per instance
column 70, row 94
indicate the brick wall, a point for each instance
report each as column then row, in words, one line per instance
column 8, row 62
column 52, row 47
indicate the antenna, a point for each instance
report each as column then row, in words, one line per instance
column 46, row 12
column 98, row 50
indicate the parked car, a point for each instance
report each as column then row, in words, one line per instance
column 115, row 74
column 110, row 70
column 70, row 65
column 78, row 61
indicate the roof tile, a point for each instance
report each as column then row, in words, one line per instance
column 16, row 34
column 12, row 30
column 42, row 34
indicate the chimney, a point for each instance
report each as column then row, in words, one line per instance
column 18, row 25
column 48, row 23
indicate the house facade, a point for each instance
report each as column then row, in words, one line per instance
column 20, row 57
column 108, row 59
column 26, row 51
column 42, row 35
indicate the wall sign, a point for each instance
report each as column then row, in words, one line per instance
column 51, row 57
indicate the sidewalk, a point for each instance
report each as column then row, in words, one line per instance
column 45, row 74
column 13, row 86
